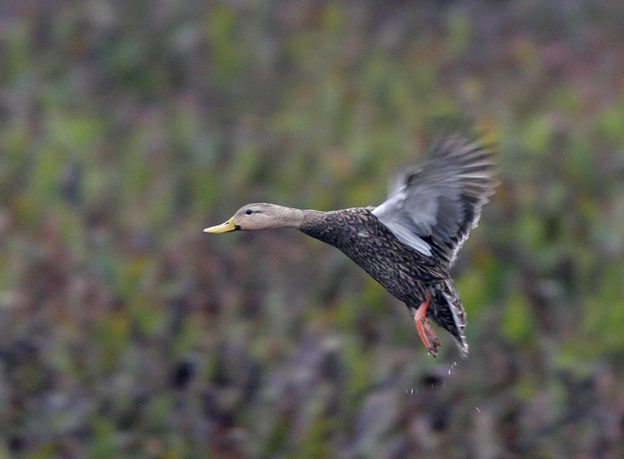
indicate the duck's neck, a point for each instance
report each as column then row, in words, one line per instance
column 318, row 224
column 288, row 217
column 310, row 218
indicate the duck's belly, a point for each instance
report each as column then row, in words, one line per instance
column 403, row 271
column 397, row 269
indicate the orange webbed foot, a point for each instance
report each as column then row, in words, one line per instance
column 427, row 334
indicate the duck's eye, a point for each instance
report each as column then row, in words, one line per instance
column 249, row 211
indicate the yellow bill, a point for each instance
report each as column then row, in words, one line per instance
column 223, row 228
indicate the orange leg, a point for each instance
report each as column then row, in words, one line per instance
column 427, row 335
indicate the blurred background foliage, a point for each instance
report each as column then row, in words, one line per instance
column 128, row 127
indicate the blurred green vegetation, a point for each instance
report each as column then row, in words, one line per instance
column 128, row 127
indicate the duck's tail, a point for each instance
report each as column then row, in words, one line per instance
column 448, row 312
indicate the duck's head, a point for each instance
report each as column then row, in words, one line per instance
column 260, row 216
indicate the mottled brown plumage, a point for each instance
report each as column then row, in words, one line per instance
column 409, row 242
column 403, row 271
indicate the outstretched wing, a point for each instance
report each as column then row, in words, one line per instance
column 433, row 206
